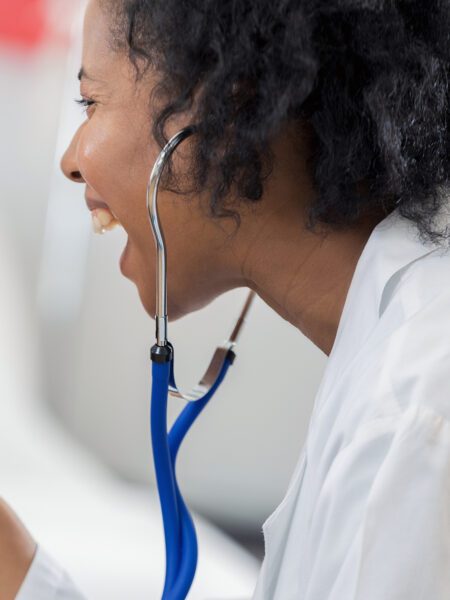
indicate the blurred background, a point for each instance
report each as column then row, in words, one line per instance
column 74, row 349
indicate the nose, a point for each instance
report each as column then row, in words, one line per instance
column 69, row 165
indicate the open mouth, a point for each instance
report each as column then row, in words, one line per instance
column 103, row 220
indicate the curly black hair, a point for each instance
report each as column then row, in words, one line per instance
column 369, row 78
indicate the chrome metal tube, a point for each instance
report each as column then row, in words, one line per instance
column 152, row 208
column 222, row 352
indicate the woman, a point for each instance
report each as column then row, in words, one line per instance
column 318, row 178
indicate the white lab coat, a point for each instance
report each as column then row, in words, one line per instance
column 367, row 512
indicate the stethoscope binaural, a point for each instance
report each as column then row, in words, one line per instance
column 179, row 530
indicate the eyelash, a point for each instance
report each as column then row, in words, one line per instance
column 85, row 103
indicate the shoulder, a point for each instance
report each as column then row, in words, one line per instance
column 406, row 359
column 416, row 357
column 417, row 283
column 403, row 364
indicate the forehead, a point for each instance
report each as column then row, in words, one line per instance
column 106, row 66
column 97, row 52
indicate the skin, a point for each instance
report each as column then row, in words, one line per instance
column 304, row 276
column 17, row 549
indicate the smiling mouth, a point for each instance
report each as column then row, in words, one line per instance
column 103, row 220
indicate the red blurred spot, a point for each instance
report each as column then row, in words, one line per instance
column 22, row 22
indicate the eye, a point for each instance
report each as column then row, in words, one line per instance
column 86, row 103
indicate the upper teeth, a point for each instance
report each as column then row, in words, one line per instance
column 103, row 220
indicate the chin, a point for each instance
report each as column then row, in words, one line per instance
column 148, row 301
column 174, row 315
column 175, row 310
column 147, row 298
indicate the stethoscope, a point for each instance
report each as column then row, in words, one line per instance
column 179, row 530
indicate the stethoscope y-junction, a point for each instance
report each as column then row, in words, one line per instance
column 179, row 530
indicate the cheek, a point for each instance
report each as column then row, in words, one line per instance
column 116, row 166
column 112, row 162
column 99, row 159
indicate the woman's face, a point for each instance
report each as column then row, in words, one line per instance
column 112, row 154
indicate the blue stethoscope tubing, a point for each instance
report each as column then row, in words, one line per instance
column 179, row 530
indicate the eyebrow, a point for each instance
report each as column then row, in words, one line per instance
column 83, row 75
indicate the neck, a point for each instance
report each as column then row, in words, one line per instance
column 306, row 282
column 303, row 275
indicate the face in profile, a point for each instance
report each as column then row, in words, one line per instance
column 112, row 155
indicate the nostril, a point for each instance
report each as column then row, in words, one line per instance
column 76, row 176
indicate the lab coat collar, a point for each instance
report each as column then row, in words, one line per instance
column 392, row 245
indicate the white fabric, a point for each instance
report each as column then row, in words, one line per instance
column 45, row 580
column 367, row 513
